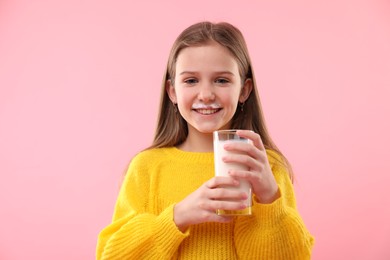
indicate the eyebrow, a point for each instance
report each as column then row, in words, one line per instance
column 217, row 72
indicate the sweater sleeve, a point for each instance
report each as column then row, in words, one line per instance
column 276, row 230
column 135, row 232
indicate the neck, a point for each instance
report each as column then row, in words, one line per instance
column 197, row 142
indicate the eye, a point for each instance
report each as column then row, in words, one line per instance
column 191, row 81
column 221, row 81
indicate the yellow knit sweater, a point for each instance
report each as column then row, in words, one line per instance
column 143, row 226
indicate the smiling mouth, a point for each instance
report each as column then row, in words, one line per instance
column 207, row 111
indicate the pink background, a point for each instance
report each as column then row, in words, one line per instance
column 80, row 85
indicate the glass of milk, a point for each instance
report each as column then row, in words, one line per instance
column 221, row 138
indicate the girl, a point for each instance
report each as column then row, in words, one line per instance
column 166, row 208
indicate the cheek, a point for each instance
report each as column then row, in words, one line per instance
column 229, row 99
column 185, row 95
column 183, row 99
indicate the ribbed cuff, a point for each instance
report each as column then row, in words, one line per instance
column 168, row 234
column 270, row 214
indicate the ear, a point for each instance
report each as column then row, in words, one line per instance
column 246, row 90
column 171, row 91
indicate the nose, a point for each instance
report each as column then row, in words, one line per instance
column 206, row 92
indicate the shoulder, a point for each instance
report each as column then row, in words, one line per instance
column 149, row 157
column 142, row 164
column 148, row 154
column 274, row 158
column 278, row 162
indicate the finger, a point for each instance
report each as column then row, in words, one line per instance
column 212, row 206
column 254, row 137
column 246, row 175
column 219, row 181
column 248, row 161
column 228, row 205
column 214, row 217
column 245, row 148
column 211, row 216
column 228, row 194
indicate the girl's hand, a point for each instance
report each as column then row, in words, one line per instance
column 201, row 205
column 259, row 172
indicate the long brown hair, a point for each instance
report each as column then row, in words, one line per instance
column 172, row 129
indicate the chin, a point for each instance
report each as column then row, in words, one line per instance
column 208, row 127
column 206, row 131
column 209, row 130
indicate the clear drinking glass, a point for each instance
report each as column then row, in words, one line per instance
column 220, row 138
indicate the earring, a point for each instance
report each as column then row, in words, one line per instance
column 174, row 107
column 242, row 106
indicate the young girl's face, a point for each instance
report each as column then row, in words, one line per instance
column 207, row 87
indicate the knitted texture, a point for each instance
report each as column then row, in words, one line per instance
column 143, row 228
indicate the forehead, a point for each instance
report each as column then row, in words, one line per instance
column 207, row 57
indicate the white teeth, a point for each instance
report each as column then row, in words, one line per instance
column 207, row 111
column 203, row 106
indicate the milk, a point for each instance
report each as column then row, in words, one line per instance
column 222, row 169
